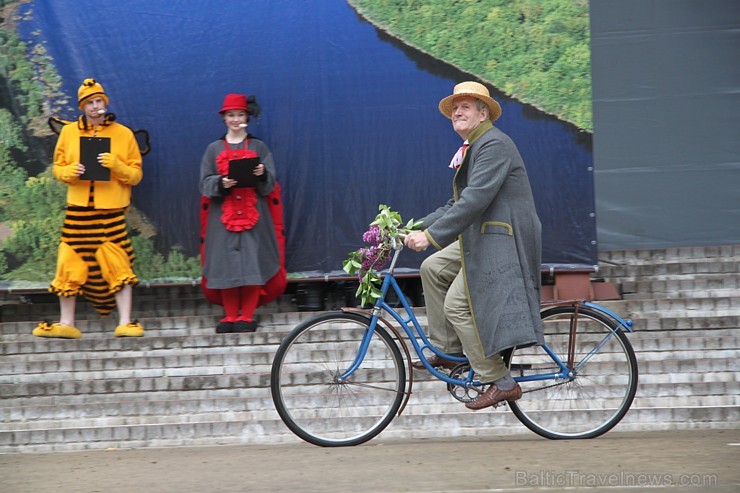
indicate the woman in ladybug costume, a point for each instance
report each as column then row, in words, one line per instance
column 241, row 253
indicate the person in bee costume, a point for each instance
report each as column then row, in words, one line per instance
column 95, row 256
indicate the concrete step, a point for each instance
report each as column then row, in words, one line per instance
column 668, row 309
column 161, row 332
column 685, row 323
column 699, row 307
column 40, row 305
column 170, row 356
column 685, row 294
column 18, row 333
column 241, row 428
column 142, row 344
column 662, row 255
column 201, row 314
column 250, row 410
column 148, row 302
column 134, row 368
column 246, row 409
column 695, row 384
column 670, row 270
column 153, row 326
column 142, row 307
column 707, row 342
column 662, row 345
column 258, row 358
column 165, row 331
column 144, row 384
column 707, row 286
column 213, row 432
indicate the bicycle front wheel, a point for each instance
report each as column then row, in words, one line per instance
column 307, row 392
column 602, row 386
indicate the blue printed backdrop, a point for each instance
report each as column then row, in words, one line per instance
column 349, row 113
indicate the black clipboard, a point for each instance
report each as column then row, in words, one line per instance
column 90, row 147
column 242, row 170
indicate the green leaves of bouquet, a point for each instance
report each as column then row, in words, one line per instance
column 366, row 262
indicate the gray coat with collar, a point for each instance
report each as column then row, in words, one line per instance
column 246, row 258
column 492, row 214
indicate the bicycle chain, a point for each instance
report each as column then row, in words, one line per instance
column 546, row 387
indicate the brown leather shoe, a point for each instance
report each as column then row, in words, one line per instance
column 493, row 396
column 436, row 361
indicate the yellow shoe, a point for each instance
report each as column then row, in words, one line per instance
column 44, row 329
column 129, row 330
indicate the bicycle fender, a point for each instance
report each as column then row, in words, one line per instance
column 626, row 323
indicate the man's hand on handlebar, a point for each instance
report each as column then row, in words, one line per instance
column 416, row 241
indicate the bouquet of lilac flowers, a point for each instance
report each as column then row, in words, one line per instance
column 367, row 261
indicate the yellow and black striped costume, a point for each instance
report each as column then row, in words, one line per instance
column 95, row 255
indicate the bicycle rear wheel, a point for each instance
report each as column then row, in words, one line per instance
column 601, row 391
column 305, row 388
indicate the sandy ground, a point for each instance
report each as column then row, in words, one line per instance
column 686, row 461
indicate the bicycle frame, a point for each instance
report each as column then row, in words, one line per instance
column 567, row 370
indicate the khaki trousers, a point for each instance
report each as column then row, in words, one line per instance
column 451, row 328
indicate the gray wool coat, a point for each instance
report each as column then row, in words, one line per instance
column 492, row 214
column 246, row 258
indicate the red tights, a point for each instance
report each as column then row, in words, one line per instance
column 244, row 299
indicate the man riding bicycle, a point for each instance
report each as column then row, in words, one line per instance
column 482, row 286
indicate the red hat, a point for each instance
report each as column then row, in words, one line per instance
column 234, row 102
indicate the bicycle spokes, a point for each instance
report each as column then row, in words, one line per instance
column 592, row 396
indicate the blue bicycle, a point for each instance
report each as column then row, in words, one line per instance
column 340, row 378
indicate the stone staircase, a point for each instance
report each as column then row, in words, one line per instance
column 686, row 306
column 184, row 385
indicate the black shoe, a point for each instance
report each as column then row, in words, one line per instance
column 225, row 327
column 245, row 326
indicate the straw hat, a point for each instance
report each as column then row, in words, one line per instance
column 473, row 89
